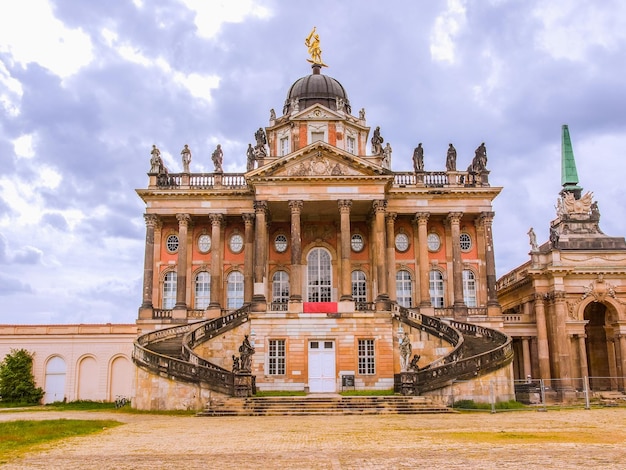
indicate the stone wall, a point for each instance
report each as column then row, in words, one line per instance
column 156, row 393
column 479, row 389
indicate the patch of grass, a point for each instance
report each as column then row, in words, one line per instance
column 81, row 405
column 529, row 437
column 19, row 437
column 501, row 405
column 12, row 404
column 366, row 393
column 280, row 393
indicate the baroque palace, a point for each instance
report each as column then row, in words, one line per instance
column 320, row 268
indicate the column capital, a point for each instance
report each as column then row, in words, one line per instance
column 454, row 217
column 296, row 205
column 538, row 296
column 344, row 205
column 422, row 217
column 379, row 205
column 216, row 219
column 260, row 206
column 248, row 219
column 183, row 219
column 151, row 219
column 390, row 217
column 486, row 217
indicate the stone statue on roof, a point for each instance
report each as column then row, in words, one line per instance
column 418, row 158
column 377, row 142
column 451, row 158
column 217, row 157
column 186, row 156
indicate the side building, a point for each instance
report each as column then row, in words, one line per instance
column 566, row 307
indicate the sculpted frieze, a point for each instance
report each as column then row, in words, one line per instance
column 319, row 166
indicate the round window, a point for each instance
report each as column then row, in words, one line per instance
column 356, row 242
column 280, row 243
column 433, row 241
column 402, row 242
column 172, row 243
column 204, row 243
column 466, row 242
column 236, row 243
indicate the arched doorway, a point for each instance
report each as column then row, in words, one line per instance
column 121, row 378
column 55, row 380
column 597, row 346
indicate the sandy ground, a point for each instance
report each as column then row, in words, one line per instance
column 571, row 439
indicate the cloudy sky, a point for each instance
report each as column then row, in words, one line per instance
column 87, row 87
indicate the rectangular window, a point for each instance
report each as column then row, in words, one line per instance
column 367, row 365
column 350, row 145
column 284, row 146
column 276, row 357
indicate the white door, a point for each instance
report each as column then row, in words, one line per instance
column 55, row 380
column 322, row 366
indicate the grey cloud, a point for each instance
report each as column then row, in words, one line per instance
column 10, row 286
column 55, row 220
column 28, row 255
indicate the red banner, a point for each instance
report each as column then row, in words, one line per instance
column 320, row 307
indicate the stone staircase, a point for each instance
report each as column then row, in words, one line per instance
column 171, row 347
column 324, row 404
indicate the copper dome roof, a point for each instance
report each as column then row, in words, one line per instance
column 316, row 88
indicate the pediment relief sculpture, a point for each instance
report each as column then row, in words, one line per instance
column 319, row 166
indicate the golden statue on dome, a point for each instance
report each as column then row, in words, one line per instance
column 313, row 43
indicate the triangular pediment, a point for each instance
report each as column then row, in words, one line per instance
column 319, row 159
column 317, row 112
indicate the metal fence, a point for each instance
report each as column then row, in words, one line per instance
column 538, row 394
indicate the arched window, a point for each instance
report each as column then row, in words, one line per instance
column 203, row 290
column 469, row 288
column 436, row 288
column 359, row 287
column 234, row 290
column 280, row 287
column 319, row 276
column 169, row 290
column 403, row 288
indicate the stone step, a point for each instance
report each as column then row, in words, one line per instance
column 330, row 405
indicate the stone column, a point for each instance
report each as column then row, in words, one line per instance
column 295, row 280
column 390, row 218
column 248, row 259
column 490, row 262
column 622, row 351
column 260, row 251
column 346, row 274
column 526, row 358
column 148, row 263
column 216, row 261
column 612, row 362
column 181, row 267
column 543, row 350
column 379, row 244
column 454, row 219
column 481, row 285
column 156, row 285
column 424, row 266
column 563, row 349
column 582, row 354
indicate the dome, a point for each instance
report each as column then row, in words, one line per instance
column 316, row 88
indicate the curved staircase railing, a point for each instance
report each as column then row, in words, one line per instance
column 454, row 366
column 190, row 368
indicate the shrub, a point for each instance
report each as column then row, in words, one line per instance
column 17, row 384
